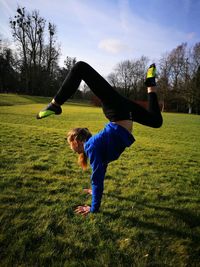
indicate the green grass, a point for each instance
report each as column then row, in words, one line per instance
column 150, row 213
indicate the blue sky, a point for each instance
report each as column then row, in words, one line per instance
column 105, row 32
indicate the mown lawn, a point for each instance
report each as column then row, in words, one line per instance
column 150, row 213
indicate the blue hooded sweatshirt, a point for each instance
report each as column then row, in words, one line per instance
column 102, row 148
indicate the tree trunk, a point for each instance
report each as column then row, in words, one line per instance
column 190, row 109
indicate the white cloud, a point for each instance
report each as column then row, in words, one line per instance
column 112, row 45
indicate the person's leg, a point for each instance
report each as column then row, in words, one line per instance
column 82, row 71
column 152, row 116
column 130, row 110
column 115, row 106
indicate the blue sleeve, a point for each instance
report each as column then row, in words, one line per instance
column 97, row 180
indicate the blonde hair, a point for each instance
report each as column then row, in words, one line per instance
column 80, row 134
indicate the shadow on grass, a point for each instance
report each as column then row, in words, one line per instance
column 161, row 231
column 189, row 218
column 158, row 228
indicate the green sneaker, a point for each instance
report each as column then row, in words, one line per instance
column 150, row 77
column 51, row 109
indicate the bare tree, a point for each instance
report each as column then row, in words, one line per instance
column 177, row 59
column 69, row 62
column 195, row 84
column 128, row 76
column 29, row 33
column 124, row 76
column 164, row 79
column 178, row 75
column 139, row 67
column 112, row 78
column 195, row 56
column 52, row 51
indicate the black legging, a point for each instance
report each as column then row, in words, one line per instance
column 115, row 106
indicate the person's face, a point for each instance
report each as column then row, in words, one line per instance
column 77, row 146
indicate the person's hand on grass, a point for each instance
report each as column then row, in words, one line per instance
column 88, row 191
column 83, row 210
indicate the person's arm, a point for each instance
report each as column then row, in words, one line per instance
column 97, row 183
column 97, row 179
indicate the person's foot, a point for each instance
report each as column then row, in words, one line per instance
column 51, row 109
column 150, row 77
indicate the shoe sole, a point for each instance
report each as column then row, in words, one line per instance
column 44, row 114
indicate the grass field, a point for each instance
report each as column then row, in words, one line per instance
column 150, row 212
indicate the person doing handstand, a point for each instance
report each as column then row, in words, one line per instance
column 107, row 145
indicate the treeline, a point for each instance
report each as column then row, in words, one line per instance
column 178, row 79
column 32, row 68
